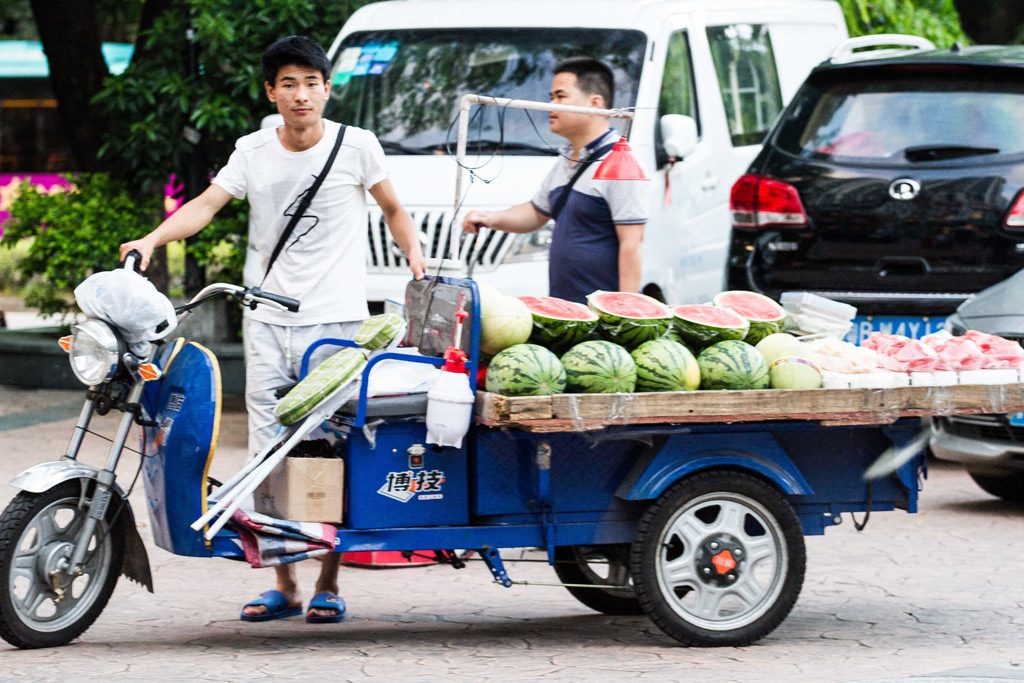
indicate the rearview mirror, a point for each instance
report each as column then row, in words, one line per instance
column 272, row 121
column 679, row 134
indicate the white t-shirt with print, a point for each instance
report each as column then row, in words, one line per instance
column 323, row 265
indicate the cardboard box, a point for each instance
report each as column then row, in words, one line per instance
column 304, row 490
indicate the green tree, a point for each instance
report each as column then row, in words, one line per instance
column 180, row 102
column 70, row 235
column 936, row 20
column 184, row 101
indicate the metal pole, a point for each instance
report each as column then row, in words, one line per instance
column 468, row 100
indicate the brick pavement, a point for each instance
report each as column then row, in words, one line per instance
column 936, row 596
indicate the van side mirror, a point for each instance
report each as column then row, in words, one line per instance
column 272, row 121
column 679, row 135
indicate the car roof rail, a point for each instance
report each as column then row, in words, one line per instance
column 898, row 42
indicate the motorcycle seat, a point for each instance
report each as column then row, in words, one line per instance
column 402, row 405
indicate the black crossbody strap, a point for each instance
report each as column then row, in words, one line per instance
column 306, row 200
column 556, row 210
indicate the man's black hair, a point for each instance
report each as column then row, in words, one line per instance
column 294, row 50
column 593, row 77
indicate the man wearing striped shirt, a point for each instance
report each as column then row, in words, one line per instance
column 599, row 226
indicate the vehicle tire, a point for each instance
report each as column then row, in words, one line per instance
column 1008, row 486
column 595, row 565
column 35, row 534
column 718, row 559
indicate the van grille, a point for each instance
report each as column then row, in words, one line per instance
column 988, row 427
column 436, row 230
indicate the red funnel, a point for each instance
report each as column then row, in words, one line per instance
column 620, row 164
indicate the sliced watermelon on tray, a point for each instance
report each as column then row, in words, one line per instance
column 628, row 318
column 765, row 315
column 557, row 323
column 701, row 325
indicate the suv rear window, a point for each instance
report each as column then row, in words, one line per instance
column 905, row 118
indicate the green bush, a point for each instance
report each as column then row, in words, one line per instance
column 67, row 236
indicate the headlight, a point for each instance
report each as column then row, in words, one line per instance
column 955, row 325
column 95, row 350
column 530, row 246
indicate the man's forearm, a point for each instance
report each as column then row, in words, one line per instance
column 192, row 217
column 630, row 266
column 400, row 223
column 519, row 218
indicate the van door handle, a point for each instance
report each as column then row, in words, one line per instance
column 710, row 183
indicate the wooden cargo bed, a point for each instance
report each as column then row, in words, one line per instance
column 581, row 412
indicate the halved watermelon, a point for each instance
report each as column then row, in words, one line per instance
column 557, row 323
column 702, row 325
column 765, row 315
column 628, row 318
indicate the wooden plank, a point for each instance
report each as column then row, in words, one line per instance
column 494, row 409
column 832, row 406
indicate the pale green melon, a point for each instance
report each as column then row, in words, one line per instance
column 794, row 373
column 781, row 345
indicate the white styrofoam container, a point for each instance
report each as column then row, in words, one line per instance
column 1007, row 376
column 834, row 380
column 879, row 380
column 806, row 302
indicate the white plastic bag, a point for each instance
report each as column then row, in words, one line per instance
column 129, row 302
column 396, row 377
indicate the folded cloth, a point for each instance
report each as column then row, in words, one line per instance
column 268, row 542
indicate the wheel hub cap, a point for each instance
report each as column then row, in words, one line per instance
column 53, row 563
column 719, row 560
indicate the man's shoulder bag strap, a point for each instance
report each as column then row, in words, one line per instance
column 582, row 166
column 306, row 200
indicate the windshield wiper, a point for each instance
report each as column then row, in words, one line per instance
column 392, row 146
column 937, row 152
column 486, row 146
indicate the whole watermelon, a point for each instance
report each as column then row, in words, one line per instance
column 525, row 370
column 599, row 367
column 665, row 365
column 732, row 364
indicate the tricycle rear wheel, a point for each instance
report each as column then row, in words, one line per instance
column 595, row 565
column 718, row 559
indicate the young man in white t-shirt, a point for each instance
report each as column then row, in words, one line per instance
column 323, row 263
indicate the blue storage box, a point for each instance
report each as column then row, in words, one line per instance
column 387, row 486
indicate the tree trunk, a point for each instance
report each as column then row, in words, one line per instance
column 70, row 35
column 991, row 21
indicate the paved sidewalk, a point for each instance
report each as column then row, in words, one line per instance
column 936, row 596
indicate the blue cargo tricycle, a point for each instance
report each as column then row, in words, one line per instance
column 693, row 519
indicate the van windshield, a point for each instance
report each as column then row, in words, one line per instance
column 906, row 118
column 404, row 85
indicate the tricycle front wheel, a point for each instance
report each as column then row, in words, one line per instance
column 718, row 559
column 41, row 605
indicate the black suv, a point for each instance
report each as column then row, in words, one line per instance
column 891, row 183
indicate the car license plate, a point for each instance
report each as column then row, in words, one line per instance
column 914, row 327
column 1016, row 419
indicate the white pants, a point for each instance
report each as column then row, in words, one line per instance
column 273, row 358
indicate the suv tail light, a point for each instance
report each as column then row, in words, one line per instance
column 1015, row 217
column 757, row 202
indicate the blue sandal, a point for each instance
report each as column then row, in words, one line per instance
column 276, row 604
column 326, row 600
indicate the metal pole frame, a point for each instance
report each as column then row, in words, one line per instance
column 467, row 101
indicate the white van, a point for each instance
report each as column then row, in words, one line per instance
column 399, row 69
